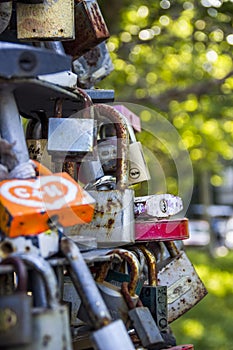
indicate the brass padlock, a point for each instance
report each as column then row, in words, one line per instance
column 51, row 20
column 90, row 28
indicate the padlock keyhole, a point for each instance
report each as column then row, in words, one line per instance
column 27, row 61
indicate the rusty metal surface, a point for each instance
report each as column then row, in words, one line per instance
column 185, row 288
column 113, row 220
column 90, row 29
column 50, row 20
column 151, row 264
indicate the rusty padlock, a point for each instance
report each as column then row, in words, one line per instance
column 50, row 20
column 184, row 287
column 90, row 28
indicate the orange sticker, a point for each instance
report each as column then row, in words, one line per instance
column 42, row 198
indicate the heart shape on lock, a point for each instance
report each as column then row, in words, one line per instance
column 51, row 192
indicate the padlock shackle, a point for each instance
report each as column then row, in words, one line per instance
column 123, row 142
column 152, row 266
column 45, row 270
column 172, row 248
column 20, row 270
column 134, row 267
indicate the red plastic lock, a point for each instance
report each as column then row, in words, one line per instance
column 183, row 347
column 161, row 230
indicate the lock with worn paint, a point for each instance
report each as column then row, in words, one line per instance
column 106, row 333
column 153, row 229
column 90, row 28
column 50, row 319
column 113, row 220
column 50, row 20
column 27, row 207
column 93, row 66
column 107, row 148
column 184, row 287
column 15, row 309
column 154, row 296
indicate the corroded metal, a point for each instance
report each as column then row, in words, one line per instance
column 184, row 287
column 49, row 20
column 90, row 28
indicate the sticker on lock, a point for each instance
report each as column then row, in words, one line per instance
column 28, row 206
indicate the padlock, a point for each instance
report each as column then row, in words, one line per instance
column 158, row 205
column 50, row 20
column 111, row 293
column 54, row 198
column 154, row 296
column 72, row 138
column 90, row 28
column 107, row 148
column 37, row 138
column 50, row 323
column 152, row 229
column 113, row 221
column 15, row 309
column 184, row 287
column 182, row 347
column 105, row 330
column 143, row 322
column 5, row 15
column 93, row 66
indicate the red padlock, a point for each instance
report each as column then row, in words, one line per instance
column 161, row 230
column 182, row 347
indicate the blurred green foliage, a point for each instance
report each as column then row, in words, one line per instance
column 208, row 325
column 176, row 56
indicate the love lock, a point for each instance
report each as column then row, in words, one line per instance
column 15, row 310
column 184, row 287
column 28, row 206
column 154, row 296
column 143, row 322
column 111, row 294
column 50, row 322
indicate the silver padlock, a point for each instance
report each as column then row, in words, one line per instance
column 104, row 328
column 113, row 221
column 184, row 287
column 93, row 66
column 50, row 322
column 107, row 148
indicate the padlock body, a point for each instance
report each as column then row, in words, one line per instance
column 184, row 287
column 27, row 205
column 90, row 28
column 138, row 170
column 52, row 20
column 155, row 298
column 15, row 319
column 161, row 230
column 145, row 327
column 113, row 220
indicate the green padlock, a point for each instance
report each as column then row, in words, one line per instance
column 154, row 296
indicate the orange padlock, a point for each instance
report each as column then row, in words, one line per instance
column 28, row 207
